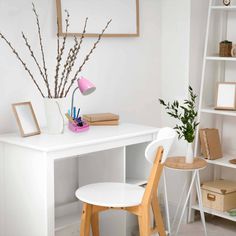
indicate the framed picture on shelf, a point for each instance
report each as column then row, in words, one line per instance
column 26, row 119
column 123, row 13
column 226, row 96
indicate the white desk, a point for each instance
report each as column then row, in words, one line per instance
column 27, row 183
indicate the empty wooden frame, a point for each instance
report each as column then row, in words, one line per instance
column 124, row 15
column 226, row 96
column 26, row 119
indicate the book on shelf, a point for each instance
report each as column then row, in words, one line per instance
column 210, row 143
column 101, row 117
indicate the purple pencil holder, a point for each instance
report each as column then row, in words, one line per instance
column 77, row 129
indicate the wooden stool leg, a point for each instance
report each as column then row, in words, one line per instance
column 95, row 224
column 157, row 216
column 86, row 220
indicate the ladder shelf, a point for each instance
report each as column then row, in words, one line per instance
column 220, row 23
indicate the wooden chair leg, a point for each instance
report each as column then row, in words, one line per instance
column 157, row 216
column 140, row 223
column 146, row 221
column 95, row 224
column 86, row 220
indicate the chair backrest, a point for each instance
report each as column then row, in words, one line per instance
column 156, row 153
column 165, row 139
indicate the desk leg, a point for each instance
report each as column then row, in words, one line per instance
column 199, row 194
column 186, row 202
column 166, row 203
column 28, row 192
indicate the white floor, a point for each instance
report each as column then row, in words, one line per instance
column 215, row 227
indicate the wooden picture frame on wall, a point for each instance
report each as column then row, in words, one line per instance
column 26, row 119
column 226, row 96
column 124, row 25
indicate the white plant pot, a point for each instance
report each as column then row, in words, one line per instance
column 55, row 109
column 189, row 153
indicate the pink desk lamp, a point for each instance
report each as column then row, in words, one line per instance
column 85, row 86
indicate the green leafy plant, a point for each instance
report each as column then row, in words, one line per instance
column 186, row 114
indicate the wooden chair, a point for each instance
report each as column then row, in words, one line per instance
column 134, row 199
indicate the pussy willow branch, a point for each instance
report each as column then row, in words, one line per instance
column 68, row 59
column 58, row 38
column 41, row 46
column 87, row 57
column 73, row 58
column 58, row 51
column 22, row 62
column 35, row 60
column 59, row 56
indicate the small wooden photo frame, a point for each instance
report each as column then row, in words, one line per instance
column 26, row 119
column 226, row 96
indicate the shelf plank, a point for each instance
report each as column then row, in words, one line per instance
column 224, row 8
column 211, row 110
column 67, row 221
column 134, row 181
column 224, row 161
column 221, row 214
column 218, row 58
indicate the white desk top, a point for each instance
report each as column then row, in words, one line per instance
column 95, row 135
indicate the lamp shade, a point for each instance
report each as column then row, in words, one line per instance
column 85, row 86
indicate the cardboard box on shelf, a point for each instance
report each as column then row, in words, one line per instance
column 219, row 195
column 210, row 144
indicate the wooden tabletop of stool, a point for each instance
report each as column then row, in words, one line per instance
column 179, row 163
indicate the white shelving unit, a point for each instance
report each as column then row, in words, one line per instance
column 216, row 69
column 221, row 214
column 67, row 221
column 139, row 182
column 224, row 162
column 224, row 8
column 211, row 110
column 217, row 58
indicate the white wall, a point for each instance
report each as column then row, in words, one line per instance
column 199, row 10
column 175, row 37
column 126, row 71
column 183, row 37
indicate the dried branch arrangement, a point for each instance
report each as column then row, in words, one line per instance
column 63, row 81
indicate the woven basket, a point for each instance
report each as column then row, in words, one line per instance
column 225, row 48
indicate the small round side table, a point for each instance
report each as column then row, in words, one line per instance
column 178, row 164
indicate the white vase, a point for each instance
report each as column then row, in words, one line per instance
column 189, row 153
column 55, row 109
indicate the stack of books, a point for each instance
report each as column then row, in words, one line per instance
column 102, row 119
column 210, row 143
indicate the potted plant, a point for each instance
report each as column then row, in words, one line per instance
column 57, row 88
column 186, row 114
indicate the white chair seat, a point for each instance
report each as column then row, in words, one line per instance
column 111, row 194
